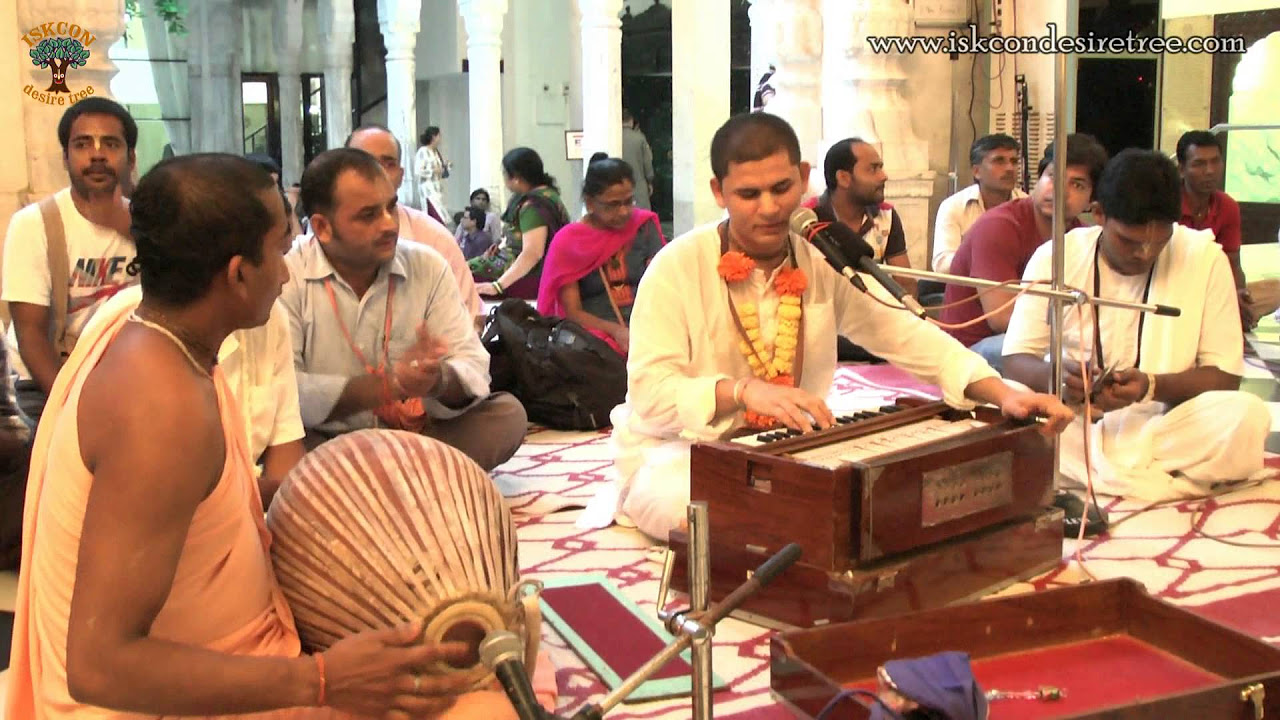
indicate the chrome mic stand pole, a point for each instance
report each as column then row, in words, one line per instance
column 699, row 597
column 1059, row 248
column 1065, row 295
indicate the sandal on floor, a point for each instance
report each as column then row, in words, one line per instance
column 1073, row 507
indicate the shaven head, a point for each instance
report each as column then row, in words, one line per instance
column 191, row 215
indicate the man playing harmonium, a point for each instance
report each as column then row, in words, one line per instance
column 1171, row 421
column 730, row 314
column 146, row 586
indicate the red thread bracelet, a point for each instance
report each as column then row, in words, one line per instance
column 320, row 669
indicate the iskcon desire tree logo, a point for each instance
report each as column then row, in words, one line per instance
column 58, row 46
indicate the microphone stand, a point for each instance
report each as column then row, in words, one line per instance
column 691, row 629
column 1072, row 297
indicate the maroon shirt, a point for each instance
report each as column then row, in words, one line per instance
column 996, row 247
column 1223, row 219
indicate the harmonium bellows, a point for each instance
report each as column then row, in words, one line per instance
column 877, row 499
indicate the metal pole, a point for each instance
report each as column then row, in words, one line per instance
column 699, row 600
column 1059, row 229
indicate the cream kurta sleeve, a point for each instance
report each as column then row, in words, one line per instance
column 673, row 392
column 917, row 346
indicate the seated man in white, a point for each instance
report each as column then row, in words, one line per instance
column 994, row 163
column 1173, row 422
column 735, row 324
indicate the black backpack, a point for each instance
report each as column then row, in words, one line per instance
column 566, row 378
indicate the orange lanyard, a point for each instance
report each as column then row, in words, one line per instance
column 386, row 330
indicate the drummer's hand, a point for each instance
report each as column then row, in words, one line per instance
column 790, row 405
column 377, row 674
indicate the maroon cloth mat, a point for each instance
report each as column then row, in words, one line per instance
column 620, row 638
column 1093, row 674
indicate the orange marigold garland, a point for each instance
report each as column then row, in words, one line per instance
column 778, row 366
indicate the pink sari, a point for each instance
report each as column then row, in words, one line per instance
column 576, row 251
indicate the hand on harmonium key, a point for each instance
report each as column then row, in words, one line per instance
column 791, row 406
column 1029, row 405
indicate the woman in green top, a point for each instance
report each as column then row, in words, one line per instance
column 533, row 217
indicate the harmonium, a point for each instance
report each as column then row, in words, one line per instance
column 1101, row 650
column 899, row 508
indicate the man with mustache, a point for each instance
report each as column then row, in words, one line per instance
column 1204, row 206
column 89, row 223
column 994, row 163
column 416, row 224
column 380, row 336
column 1001, row 242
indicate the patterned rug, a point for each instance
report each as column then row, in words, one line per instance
column 1220, row 558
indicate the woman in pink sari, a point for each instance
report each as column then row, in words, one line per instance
column 594, row 265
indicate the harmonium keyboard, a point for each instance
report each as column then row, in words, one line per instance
column 897, row 508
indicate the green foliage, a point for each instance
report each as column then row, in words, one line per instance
column 50, row 50
column 171, row 11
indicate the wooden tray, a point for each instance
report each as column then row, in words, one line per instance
column 1068, row 638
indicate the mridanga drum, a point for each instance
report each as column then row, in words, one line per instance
column 376, row 528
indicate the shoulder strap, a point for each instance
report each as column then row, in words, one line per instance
column 608, row 292
column 59, row 268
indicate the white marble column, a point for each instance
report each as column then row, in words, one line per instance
column 601, row 77
column 289, row 53
column 104, row 21
column 862, row 96
column 399, row 21
column 338, row 22
column 700, row 104
column 764, row 31
column 213, row 74
column 798, row 81
column 483, row 20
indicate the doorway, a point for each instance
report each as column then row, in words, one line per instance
column 260, row 96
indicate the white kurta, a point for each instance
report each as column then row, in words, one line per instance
column 1148, row 450
column 683, row 342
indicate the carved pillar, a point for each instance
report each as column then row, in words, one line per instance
column 338, row 22
column 862, row 96
column 483, row 20
column 601, row 77
column 764, row 30
column 700, row 103
column 799, row 50
column 289, row 44
column 97, row 25
column 213, row 67
column 399, row 21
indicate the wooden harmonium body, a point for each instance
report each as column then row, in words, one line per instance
column 896, row 508
column 1108, row 648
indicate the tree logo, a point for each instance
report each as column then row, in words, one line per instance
column 60, row 47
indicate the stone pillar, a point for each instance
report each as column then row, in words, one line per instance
column 700, row 104
column 601, row 77
column 213, row 67
column 862, row 96
column 289, row 53
column 399, row 21
column 799, row 49
column 97, row 25
column 338, row 22
column 483, row 20
column 764, row 31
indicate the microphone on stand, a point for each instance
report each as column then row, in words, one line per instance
column 838, row 244
column 502, row 652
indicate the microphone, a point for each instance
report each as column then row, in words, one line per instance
column 836, row 243
column 502, row 652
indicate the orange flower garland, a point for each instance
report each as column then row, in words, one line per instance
column 776, row 367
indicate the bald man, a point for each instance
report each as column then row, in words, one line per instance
column 414, row 224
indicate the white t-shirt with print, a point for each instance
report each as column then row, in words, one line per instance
column 97, row 257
